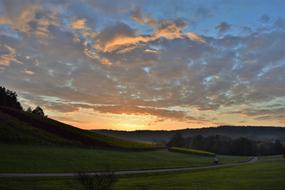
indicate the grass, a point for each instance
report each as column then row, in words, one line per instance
column 27, row 128
column 28, row 158
column 259, row 176
column 264, row 175
column 191, row 151
column 13, row 130
column 50, row 183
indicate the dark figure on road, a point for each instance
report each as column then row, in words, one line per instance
column 216, row 160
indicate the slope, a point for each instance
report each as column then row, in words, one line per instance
column 22, row 127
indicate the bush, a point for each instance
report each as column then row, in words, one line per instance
column 38, row 111
column 103, row 181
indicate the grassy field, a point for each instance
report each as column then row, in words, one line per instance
column 267, row 174
column 28, row 158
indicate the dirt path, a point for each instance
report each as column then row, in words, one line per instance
column 128, row 172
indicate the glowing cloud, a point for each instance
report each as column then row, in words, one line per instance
column 78, row 24
column 28, row 72
column 7, row 55
column 195, row 37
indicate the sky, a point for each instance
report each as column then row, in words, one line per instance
column 147, row 64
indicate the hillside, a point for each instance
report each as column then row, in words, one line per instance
column 19, row 127
column 251, row 132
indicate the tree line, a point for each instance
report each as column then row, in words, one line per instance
column 228, row 146
column 9, row 99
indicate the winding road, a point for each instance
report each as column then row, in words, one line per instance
column 128, row 172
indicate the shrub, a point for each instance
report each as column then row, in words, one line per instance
column 38, row 111
column 103, row 181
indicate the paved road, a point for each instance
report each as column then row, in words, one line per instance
column 128, row 172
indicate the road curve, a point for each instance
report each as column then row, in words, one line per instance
column 127, row 172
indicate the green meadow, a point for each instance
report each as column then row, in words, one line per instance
column 33, row 158
column 265, row 174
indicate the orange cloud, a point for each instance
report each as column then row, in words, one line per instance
column 105, row 61
column 8, row 56
column 119, row 41
column 28, row 72
column 137, row 16
column 136, row 110
column 27, row 22
column 195, row 37
column 42, row 29
column 21, row 21
column 169, row 29
column 4, row 20
column 78, row 24
column 122, row 36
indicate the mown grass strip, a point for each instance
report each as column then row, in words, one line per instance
column 191, row 151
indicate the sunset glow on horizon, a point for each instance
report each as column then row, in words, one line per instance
column 146, row 65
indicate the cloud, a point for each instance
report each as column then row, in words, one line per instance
column 7, row 55
column 170, row 29
column 264, row 18
column 195, row 37
column 62, row 107
column 43, row 21
column 78, row 24
column 4, row 20
column 136, row 110
column 28, row 72
column 203, row 12
column 19, row 16
column 30, row 18
column 113, row 36
column 159, row 26
column 137, row 16
column 280, row 23
column 223, row 27
column 121, row 35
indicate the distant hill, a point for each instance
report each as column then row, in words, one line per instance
column 251, row 132
column 20, row 127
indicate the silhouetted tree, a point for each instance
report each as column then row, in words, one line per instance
column 199, row 142
column 38, row 111
column 243, row 146
column 9, row 98
column 176, row 141
column 240, row 146
column 278, row 147
column 29, row 110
